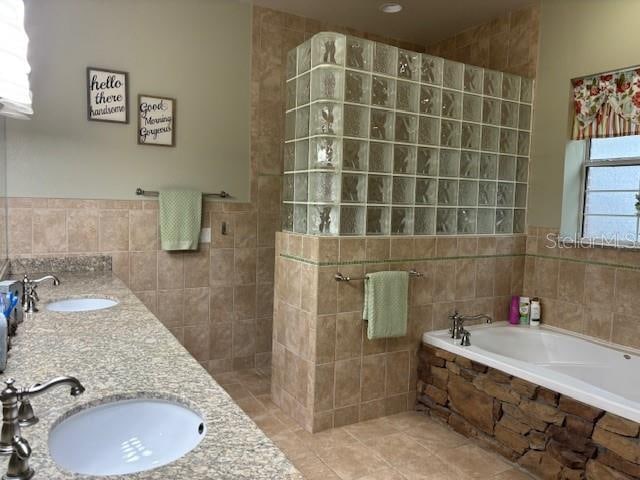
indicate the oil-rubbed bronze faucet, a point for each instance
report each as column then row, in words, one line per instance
column 29, row 293
column 10, row 396
column 457, row 330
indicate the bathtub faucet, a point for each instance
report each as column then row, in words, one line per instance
column 457, row 330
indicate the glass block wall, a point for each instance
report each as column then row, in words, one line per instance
column 383, row 141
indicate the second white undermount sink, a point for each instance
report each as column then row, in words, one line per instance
column 81, row 305
column 125, row 436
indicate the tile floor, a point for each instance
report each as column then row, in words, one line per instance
column 407, row 446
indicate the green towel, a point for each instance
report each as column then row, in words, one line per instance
column 180, row 216
column 385, row 304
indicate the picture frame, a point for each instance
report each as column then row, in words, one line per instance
column 107, row 95
column 156, row 120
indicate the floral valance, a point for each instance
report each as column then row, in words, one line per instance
column 607, row 105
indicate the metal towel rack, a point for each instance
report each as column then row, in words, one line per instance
column 153, row 193
column 343, row 278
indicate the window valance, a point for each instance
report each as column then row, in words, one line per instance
column 607, row 105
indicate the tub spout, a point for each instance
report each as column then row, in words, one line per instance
column 457, row 323
column 76, row 387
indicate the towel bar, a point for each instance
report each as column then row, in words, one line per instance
column 153, row 193
column 343, row 278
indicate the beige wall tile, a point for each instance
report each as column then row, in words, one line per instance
column 265, row 265
column 485, row 277
column 327, row 291
column 465, row 279
column 197, row 267
column 220, row 336
column 373, row 378
column 49, row 231
column 378, row 248
column 170, row 308
column 120, row 265
column 599, row 284
column 502, row 280
column 196, row 340
column 222, row 267
column 264, row 300
column 113, row 230
column 598, row 321
column 425, row 247
column 347, row 390
column 402, row 248
column 20, row 230
column 143, row 230
column 571, row 281
column 421, row 288
column 352, row 249
column 170, row 270
column 221, row 304
column 308, row 288
column 196, row 306
column 245, row 262
column 246, row 233
column 150, row 300
column 371, row 410
column 143, row 270
column 350, row 294
column 244, row 302
column 82, row 230
column 348, row 335
column 625, row 330
column 244, row 338
column 264, row 334
column 445, row 284
column 324, row 335
column 323, row 387
column 346, row 416
column 627, row 285
column 218, row 239
column 546, row 277
column 397, row 378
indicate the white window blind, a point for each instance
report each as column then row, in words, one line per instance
column 15, row 94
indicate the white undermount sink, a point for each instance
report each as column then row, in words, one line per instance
column 81, row 305
column 125, row 436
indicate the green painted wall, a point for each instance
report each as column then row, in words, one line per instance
column 578, row 37
column 197, row 51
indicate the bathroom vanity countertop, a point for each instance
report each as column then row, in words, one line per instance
column 125, row 352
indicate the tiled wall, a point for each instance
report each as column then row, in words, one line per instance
column 326, row 373
column 218, row 301
column 508, row 43
column 593, row 291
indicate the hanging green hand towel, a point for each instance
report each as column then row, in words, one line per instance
column 385, row 304
column 180, row 217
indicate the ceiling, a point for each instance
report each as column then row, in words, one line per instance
column 421, row 21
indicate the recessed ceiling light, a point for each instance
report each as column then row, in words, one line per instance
column 390, row 7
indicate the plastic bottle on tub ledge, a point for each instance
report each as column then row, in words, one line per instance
column 514, row 310
column 536, row 313
column 524, row 310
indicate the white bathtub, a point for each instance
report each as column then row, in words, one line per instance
column 587, row 371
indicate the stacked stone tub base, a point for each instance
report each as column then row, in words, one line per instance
column 548, row 434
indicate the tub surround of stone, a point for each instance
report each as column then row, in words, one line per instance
column 551, row 435
column 125, row 352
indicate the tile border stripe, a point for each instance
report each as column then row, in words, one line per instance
column 389, row 261
column 456, row 257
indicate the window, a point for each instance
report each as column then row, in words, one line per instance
column 612, row 181
column 15, row 96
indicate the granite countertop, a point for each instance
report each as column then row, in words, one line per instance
column 125, row 352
